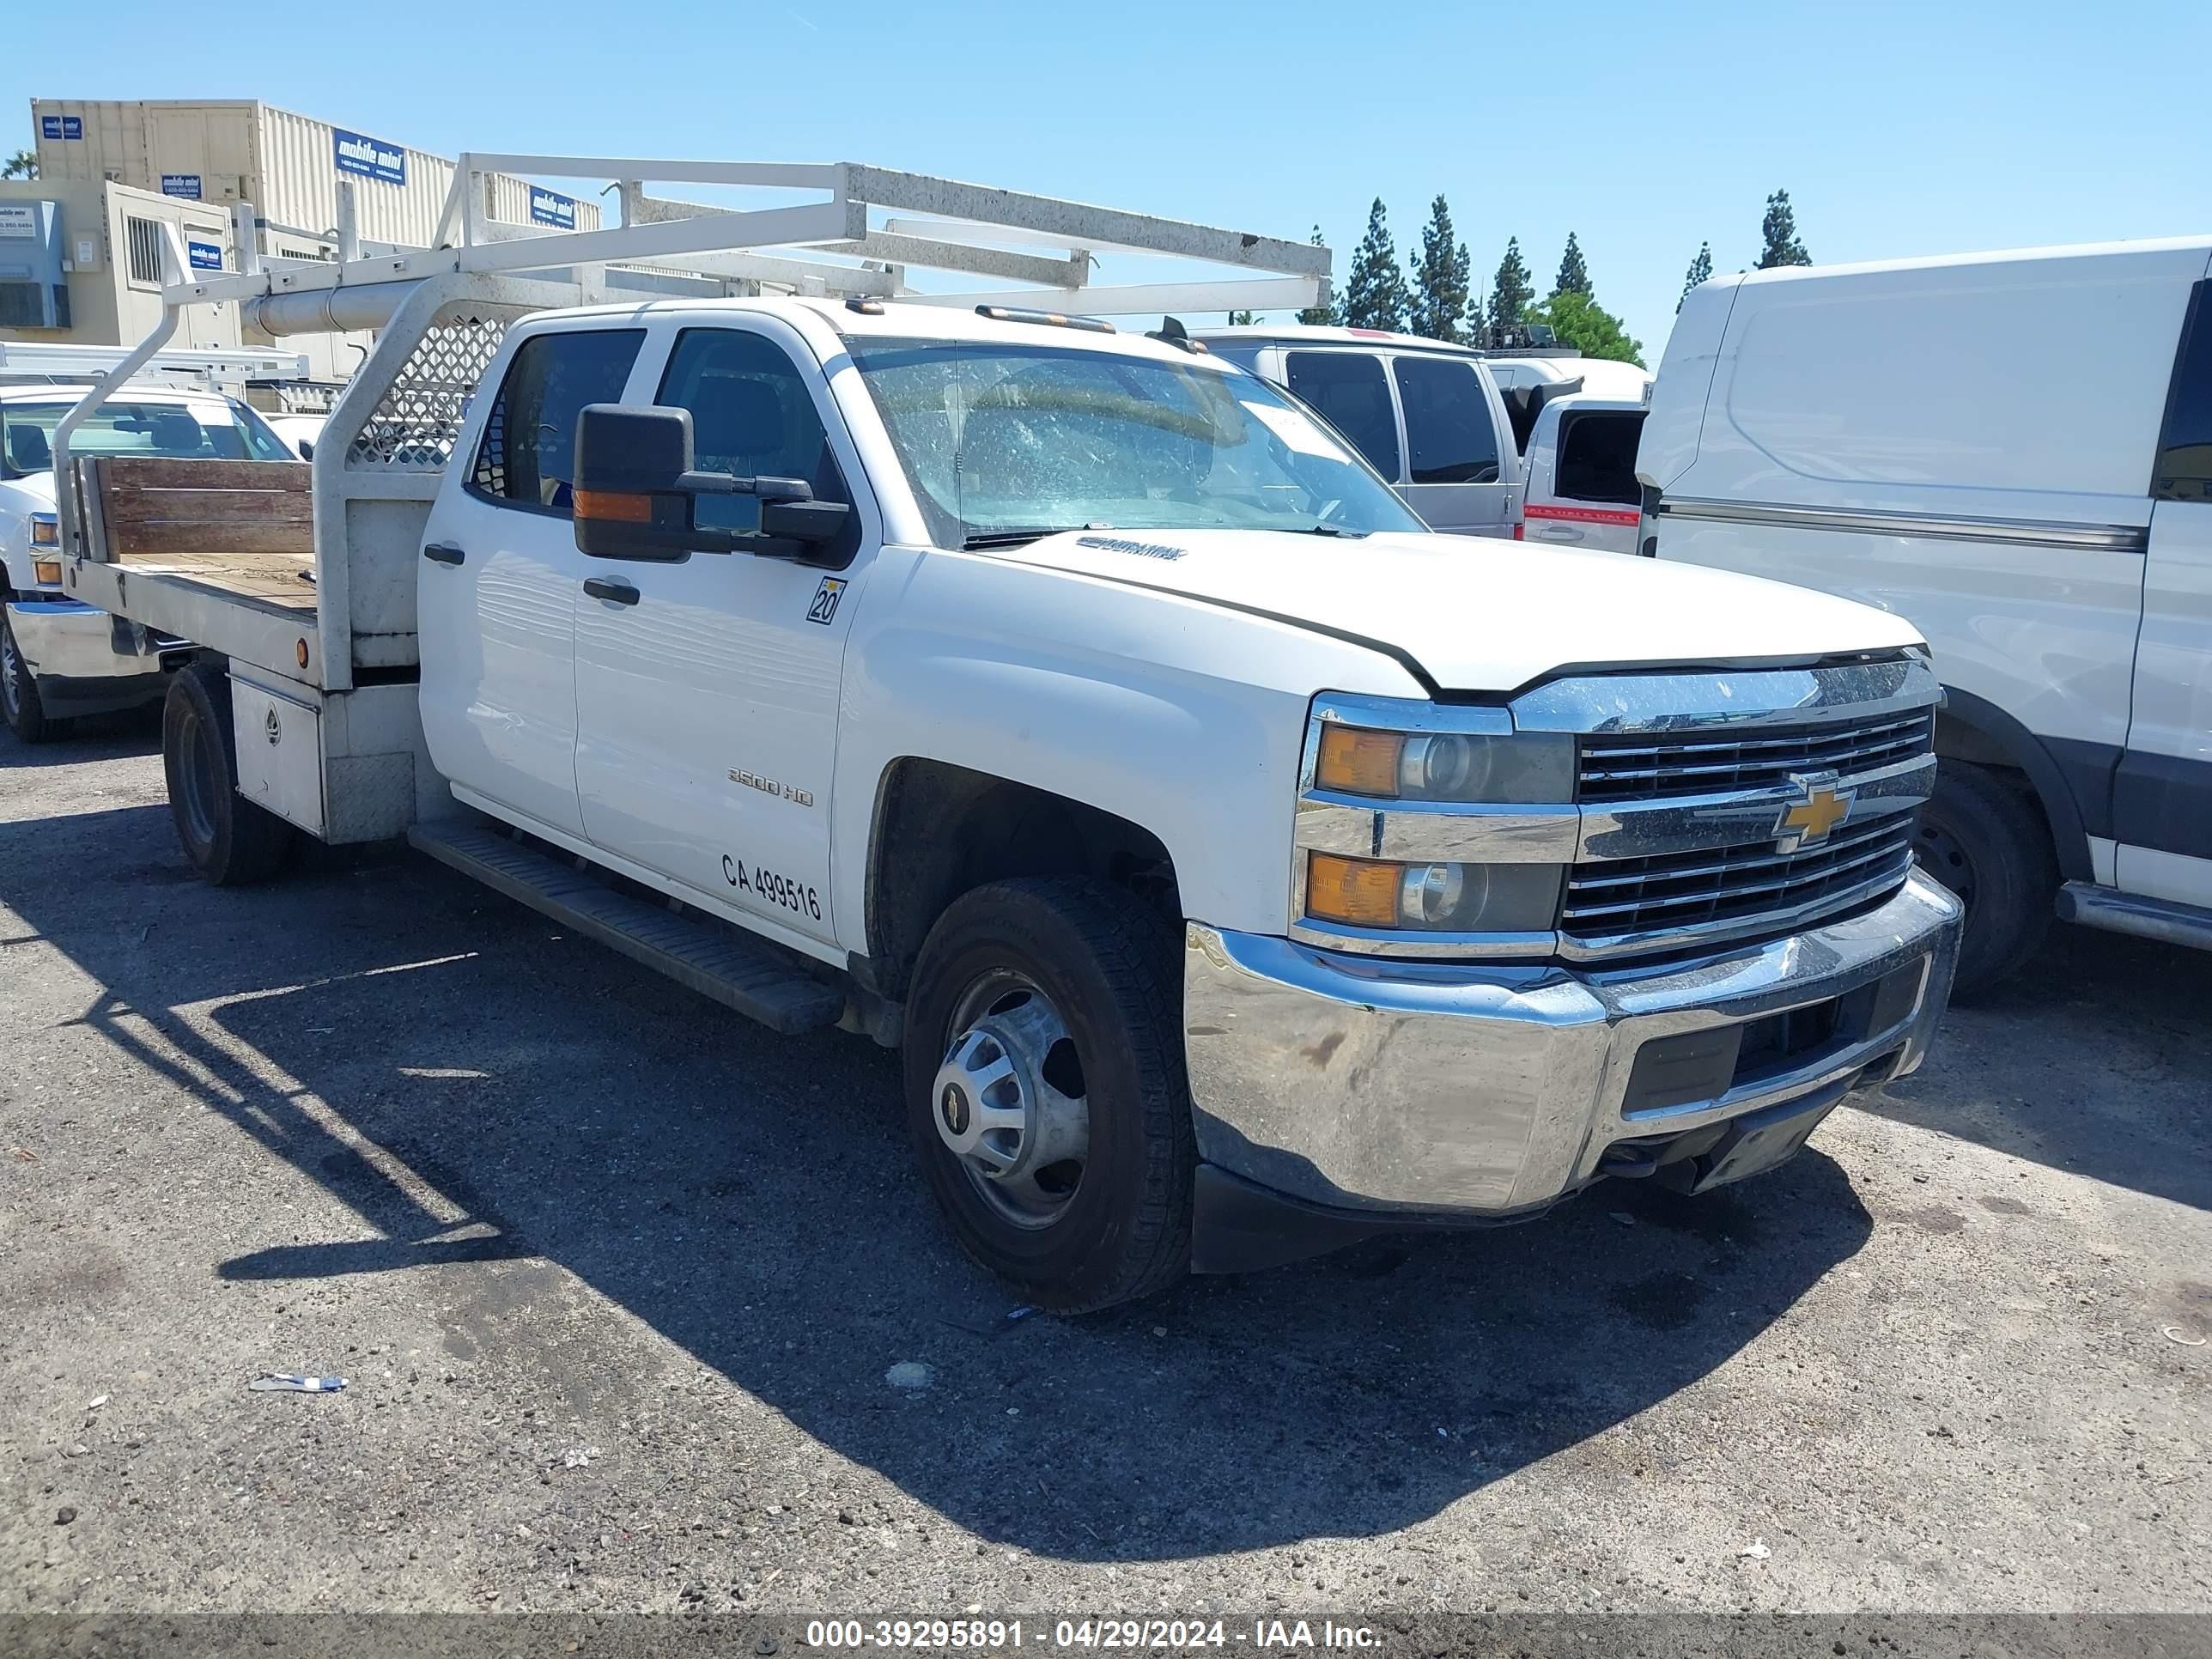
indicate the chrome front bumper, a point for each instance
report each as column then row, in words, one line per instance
column 81, row 654
column 1429, row 1090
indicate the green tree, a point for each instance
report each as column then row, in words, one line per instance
column 1701, row 270
column 22, row 165
column 1242, row 319
column 1779, row 228
column 1581, row 322
column 1438, row 295
column 1375, row 294
column 1510, row 289
column 1574, row 275
column 1318, row 316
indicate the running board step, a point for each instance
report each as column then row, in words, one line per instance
column 704, row 956
column 2116, row 912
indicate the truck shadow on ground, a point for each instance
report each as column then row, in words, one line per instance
column 479, row 1090
column 2097, row 1060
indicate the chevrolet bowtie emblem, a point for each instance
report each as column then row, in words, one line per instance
column 1807, row 822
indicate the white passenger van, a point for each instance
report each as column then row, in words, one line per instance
column 1921, row 435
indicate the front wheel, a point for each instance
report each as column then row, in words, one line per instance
column 1046, row 1093
column 230, row 840
column 1983, row 838
column 19, row 701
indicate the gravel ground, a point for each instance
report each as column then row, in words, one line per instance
column 616, row 1278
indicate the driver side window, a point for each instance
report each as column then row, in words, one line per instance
column 752, row 414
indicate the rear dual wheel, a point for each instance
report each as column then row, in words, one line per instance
column 1046, row 1093
column 231, row 841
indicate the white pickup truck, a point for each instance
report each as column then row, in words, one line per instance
column 1244, row 868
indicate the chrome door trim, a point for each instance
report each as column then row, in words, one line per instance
column 2043, row 532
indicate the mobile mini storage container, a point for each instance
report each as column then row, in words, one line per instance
column 227, row 150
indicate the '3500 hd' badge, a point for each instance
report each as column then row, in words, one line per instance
column 825, row 600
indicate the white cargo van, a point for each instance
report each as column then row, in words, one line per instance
column 1904, row 434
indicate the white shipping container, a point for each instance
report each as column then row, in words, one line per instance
column 518, row 202
column 288, row 165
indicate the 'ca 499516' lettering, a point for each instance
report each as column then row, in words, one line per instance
column 766, row 884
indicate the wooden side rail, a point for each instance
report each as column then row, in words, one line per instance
column 155, row 509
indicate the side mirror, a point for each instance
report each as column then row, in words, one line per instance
column 630, row 501
column 637, row 493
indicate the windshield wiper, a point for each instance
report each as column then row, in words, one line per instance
column 1014, row 538
column 1317, row 530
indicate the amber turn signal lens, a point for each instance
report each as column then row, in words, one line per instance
column 46, row 570
column 618, row 506
column 1358, row 762
column 1362, row 891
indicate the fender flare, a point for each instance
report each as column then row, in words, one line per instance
column 2047, row 776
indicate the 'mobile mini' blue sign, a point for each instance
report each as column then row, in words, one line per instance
column 70, row 127
column 185, row 185
column 204, row 256
column 551, row 207
column 370, row 158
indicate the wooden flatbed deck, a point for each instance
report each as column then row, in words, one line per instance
column 243, row 530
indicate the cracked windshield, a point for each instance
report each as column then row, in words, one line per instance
column 1006, row 443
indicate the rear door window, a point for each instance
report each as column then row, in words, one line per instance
column 2185, row 451
column 1447, row 424
column 1348, row 391
column 1597, row 457
column 527, row 456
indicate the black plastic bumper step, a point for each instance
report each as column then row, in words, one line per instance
column 705, row 956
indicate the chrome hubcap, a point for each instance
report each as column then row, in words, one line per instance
column 1009, row 1100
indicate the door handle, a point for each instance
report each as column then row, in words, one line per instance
column 443, row 553
column 605, row 587
column 1559, row 532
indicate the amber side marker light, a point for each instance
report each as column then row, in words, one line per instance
column 1361, row 891
column 618, row 507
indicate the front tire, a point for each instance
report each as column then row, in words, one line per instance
column 1984, row 838
column 1046, row 1093
column 20, row 700
column 231, row 841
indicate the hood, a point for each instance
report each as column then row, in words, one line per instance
column 1481, row 614
column 35, row 491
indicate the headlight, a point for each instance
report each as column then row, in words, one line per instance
column 1446, row 766
column 45, row 529
column 1442, row 898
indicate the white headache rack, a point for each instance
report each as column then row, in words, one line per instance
column 335, row 621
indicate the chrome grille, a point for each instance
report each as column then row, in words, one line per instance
column 1706, row 891
column 1648, row 766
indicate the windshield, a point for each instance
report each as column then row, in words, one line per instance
column 170, row 430
column 1002, row 442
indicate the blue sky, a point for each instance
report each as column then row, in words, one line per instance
column 1898, row 131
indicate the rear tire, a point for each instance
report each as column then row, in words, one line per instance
column 19, row 693
column 230, row 840
column 1984, row 838
column 1073, row 965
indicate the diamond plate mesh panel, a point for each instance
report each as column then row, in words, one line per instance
column 418, row 422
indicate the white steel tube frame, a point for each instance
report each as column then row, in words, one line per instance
column 475, row 255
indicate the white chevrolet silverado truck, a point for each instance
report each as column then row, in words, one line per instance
column 1243, row 868
column 60, row 658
